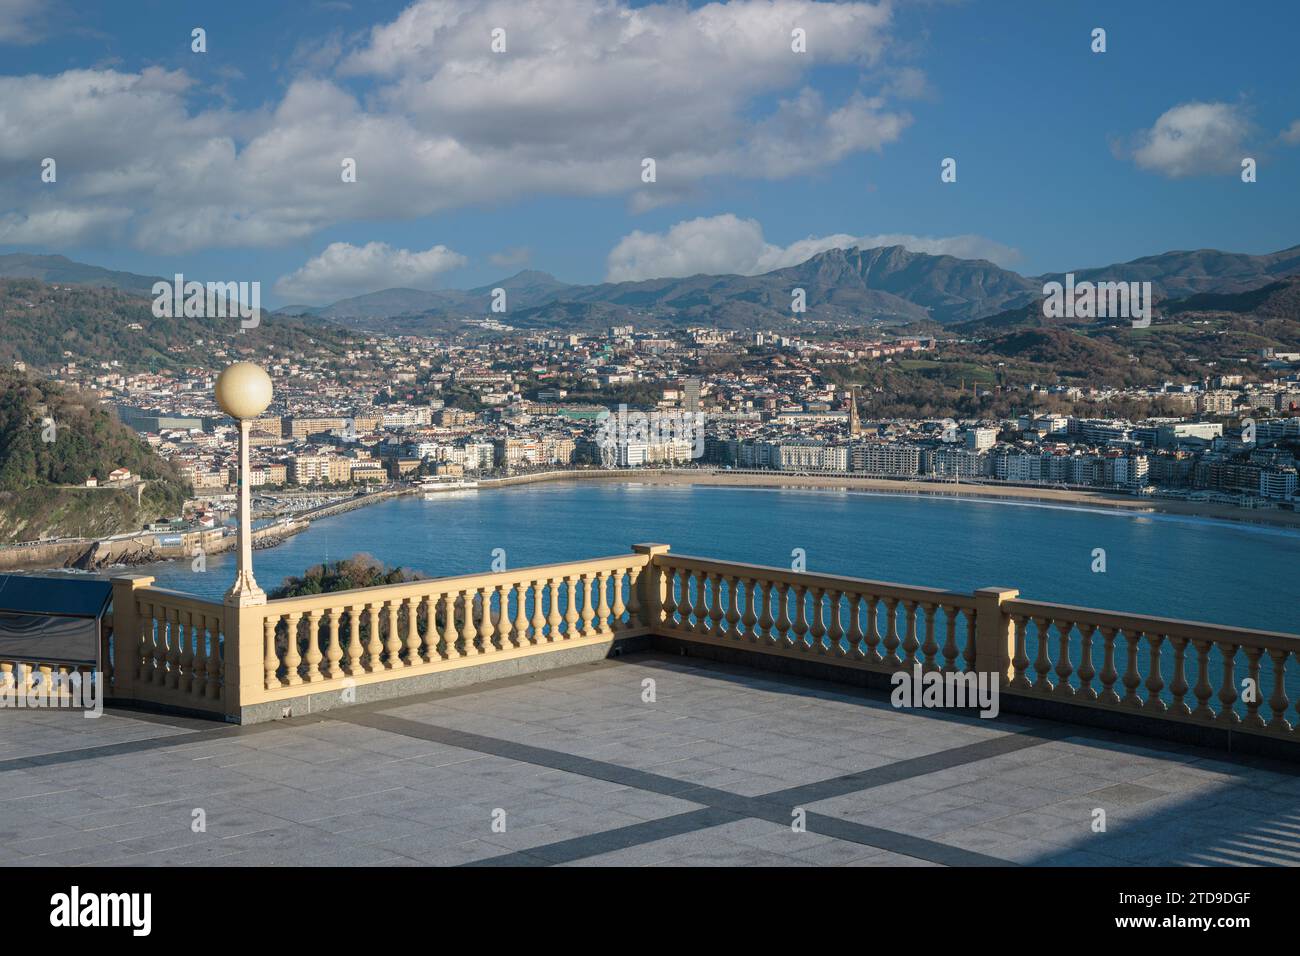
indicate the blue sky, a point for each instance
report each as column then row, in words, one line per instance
column 470, row 166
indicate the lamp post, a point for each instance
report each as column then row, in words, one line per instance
column 243, row 392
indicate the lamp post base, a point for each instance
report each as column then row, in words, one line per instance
column 244, row 592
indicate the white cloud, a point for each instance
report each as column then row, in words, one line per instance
column 60, row 226
column 16, row 18
column 437, row 121
column 344, row 270
column 1291, row 135
column 1193, row 139
column 727, row 244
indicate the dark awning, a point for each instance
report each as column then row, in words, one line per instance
column 62, row 596
column 51, row 620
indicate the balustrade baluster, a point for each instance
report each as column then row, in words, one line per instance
column 538, row 635
column 588, row 615
column 836, row 631
column 198, row 682
column 271, row 660
column 394, row 643
column 1108, row 673
column 634, row 598
column 292, row 655
column 1064, row 667
column 333, row 652
column 449, row 632
column 1043, row 660
column 313, row 658
column 715, row 605
column 1086, row 671
column 1178, row 688
column 571, row 608
column 185, row 659
column 355, row 650
column 483, row 598
column 1132, row 679
column 429, row 641
column 1155, row 682
column 929, row 647
column 817, row 627
column 1203, row 689
column 553, row 618
column 910, row 642
column 1020, row 656
column 1253, row 718
column 873, row 638
column 765, row 620
column 1228, row 688
column 1278, row 702
column 670, row 598
column 602, row 604
column 891, row 641
column 855, row 635
column 175, row 637
column 520, row 635
column 375, row 646
column 216, row 674
column 733, row 608
column 412, row 607
column 949, row 639
column 144, row 643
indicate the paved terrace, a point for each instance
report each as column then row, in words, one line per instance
column 590, row 774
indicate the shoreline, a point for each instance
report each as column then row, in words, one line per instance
column 900, row 487
column 1015, row 494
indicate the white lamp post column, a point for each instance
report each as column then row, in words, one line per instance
column 243, row 392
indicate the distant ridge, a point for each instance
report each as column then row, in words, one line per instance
column 60, row 270
column 889, row 285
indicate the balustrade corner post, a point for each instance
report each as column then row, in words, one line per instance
column 245, row 657
column 652, row 584
column 126, row 633
column 995, row 636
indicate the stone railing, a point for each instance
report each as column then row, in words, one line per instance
column 168, row 647
column 1227, row 677
column 259, row 662
column 856, row 623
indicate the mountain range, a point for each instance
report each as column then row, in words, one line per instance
column 889, row 285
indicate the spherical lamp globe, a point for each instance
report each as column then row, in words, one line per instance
column 243, row 391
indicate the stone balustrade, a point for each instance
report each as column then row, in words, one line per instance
column 174, row 650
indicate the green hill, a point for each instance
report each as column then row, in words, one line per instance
column 51, row 441
column 47, row 325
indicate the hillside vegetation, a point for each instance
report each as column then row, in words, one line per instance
column 46, row 326
column 51, row 441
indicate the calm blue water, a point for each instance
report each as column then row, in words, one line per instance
column 1163, row 565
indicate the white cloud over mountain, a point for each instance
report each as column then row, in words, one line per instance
column 1194, row 139
column 344, row 270
column 726, row 244
column 435, row 120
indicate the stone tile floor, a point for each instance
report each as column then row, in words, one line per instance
column 582, row 770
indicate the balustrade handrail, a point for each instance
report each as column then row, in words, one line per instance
column 178, row 600
column 465, row 582
column 760, row 572
column 177, row 649
column 1166, row 626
